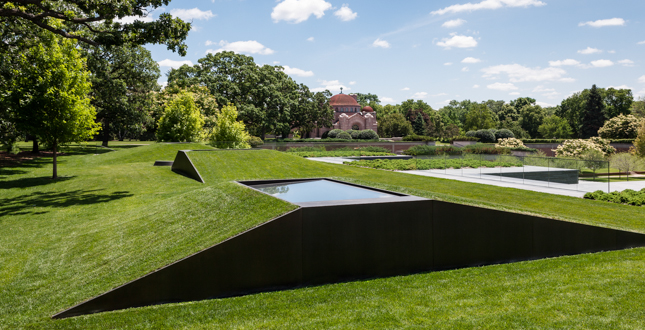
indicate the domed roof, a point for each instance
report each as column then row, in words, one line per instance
column 342, row 99
column 368, row 109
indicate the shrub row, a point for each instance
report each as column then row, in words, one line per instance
column 478, row 148
column 415, row 137
column 367, row 134
column 428, row 164
column 491, row 135
column 562, row 140
column 629, row 197
column 340, row 152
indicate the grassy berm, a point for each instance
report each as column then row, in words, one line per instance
column 114, row 217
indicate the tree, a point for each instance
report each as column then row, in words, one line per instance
column 181, row 120
column 52, row 87
column 531, row 117
column 515, row 127
column 229, row 133
column 509, row 112
column 639, row 143
column 479, row 117
column 555, row 127
column 521, row 102
column 123, row 79
column 367, row 99
column 394, row 125
column 312, row 110
column 264, row 96
column 98, row 22
column 419, row 125
column 617, row 102
column 455, row 112
column 572, row 109
column 594, row 117
column 638, row 107
column 620, row 127
column 184, row 76
column 204, row 101
column 626, row 162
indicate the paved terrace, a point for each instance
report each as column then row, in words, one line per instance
column 491, row 176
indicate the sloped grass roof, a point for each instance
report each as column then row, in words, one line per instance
column 115, row 217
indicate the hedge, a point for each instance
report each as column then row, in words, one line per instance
column 415, row 137
column 628, row 196
column 562, row 140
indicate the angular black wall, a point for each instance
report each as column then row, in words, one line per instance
column 327, row 244
column 184, row 166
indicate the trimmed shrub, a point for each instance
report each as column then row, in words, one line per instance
column 353, row 133
column 325, row 135
column 471, row 133
column 485, row 136
column 628, row 196
column 334, row 133
column 576, row 148
column 509, row 143
column 254, row 141
column 343, row 135
column 368, row 134
column 504, row 134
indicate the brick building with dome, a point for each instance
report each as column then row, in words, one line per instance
column 348, row 114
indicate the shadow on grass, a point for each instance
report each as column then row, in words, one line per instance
column 27, row 204
column 32, row 182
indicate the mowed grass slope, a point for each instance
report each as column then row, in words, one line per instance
column 116, row 218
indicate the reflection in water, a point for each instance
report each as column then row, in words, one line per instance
column 275, row 190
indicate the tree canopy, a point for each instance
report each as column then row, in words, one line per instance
column 99, row 22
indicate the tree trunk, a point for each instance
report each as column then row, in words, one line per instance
column 106, row 132
column 55, row 175
column 34, row 148
column 263, row 134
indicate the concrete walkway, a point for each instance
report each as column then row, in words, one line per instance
column 481, row 177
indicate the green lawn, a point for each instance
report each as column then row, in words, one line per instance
column 113, row 217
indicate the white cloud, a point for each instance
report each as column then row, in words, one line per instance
column 298, row 11
column 626, row 62
column 640, row 94
column 641, row 42
column 602, row 63
column 453, row 23
column 191, row 14
column 458, row 42
column 447, row 63
column 419, row 95
column 345, row 14
column 173, row 64
column 514, row 93
column 544, row 104
column 381, row 43
column 519, row 73
column 488, row 4
column 352, row 83
column 440, row 94
column 590, row 50
column 131, row 19
column 504, row 87
column 276, row 62
column 247, row 47
column 604, row 22
column 471, row 60
column 612, row 52
column 405, row 88
column 297, row 72
column 387, row 100
column 566, row 62
column 163, row 84
column 542, row 89
column 641, row 80
column 310, row 39
column 465, row 69
column 331, row 85
column 476, row 86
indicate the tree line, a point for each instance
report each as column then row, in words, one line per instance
column 581, row 115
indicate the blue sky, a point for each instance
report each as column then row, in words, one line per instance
column 430, row 50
